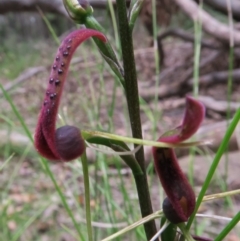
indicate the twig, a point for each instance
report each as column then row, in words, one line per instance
column 219, row 105
column 217, row 77
column 180, row 33
column 26, row 74
column 174, row 88
column 209, row 24
column 220, row 5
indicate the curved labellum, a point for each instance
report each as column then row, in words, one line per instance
column 180, row 201
column 193, row 117
column 66, row 144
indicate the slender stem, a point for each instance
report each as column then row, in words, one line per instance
column 170, row 232
column 132, row 96
column 229, row 95
column 87, row 195
column 88, row 134
column 106, row 49
column 135, row 13
column 185, row 232
column 49, row 26
column 130, row 75
column 114, row 22
column 119, row 147
column 155, row 215
column 197, row 54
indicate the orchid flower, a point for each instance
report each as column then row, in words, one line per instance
column 180, row 201
column 65, row 143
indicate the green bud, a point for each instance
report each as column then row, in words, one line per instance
column 134, row 13
column 78, row 10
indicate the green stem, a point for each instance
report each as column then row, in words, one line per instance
column 185, row 232
column 135, row 13
column 87, row 195
column 105, row 48
column 169, row 233
column 197, row 54
column 88, row 134
column 214, row 165
column 119, row 147
column 81, row 13
column 130, row 76
column 49, row 26
column 155, row 215
column 229, row 94
column 228, row 228
column 132, row 96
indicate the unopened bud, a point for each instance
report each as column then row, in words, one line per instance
column 78, row 10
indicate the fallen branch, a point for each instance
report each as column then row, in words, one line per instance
column 26, row 74
column 217, row 77
column 205, row 61
column 221, row 5
column 182, row 34
column 219, row 105
column 176, row 87
column 209, row 24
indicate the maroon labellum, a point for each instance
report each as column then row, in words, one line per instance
column 66, row 143
column 180, row 201
column 69, row 142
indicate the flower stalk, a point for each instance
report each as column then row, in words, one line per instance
column 131, row 90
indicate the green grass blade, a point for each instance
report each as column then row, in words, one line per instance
column 169, row 234
column 16, row 112
column 49, row 26
column 22, row 228
column 6, row 162
column 62, row 197
column 214, row 165
column 185, row 232
column 87, row 195
column 43, row 161
column 228, row 228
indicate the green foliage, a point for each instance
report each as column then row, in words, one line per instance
column 15, row 57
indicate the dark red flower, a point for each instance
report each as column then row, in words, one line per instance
column 66, row 143
column 180, row 201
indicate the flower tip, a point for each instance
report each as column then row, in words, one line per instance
column 192, row 102
column 193, row 117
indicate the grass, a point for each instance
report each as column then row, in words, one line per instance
column 13, row 61
column 45, row 201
